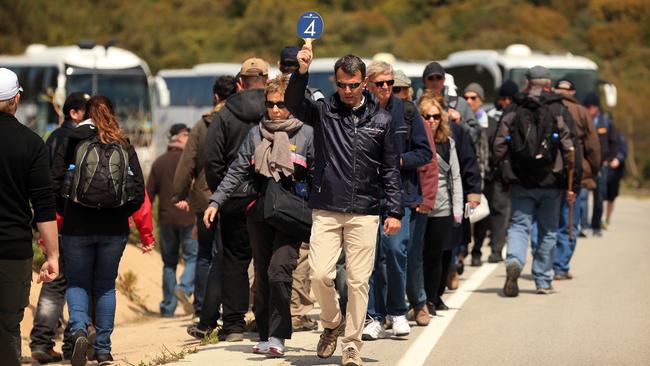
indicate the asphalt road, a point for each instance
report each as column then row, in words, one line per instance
column 601, row 317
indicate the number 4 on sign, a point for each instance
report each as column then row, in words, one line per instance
column 310, row 30
column 310, row 26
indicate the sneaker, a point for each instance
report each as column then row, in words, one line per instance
column 276, row 347
column 44, row 356
column 261, row 348
column 351, row 357
column 422, row 317
column 104, row 359
column 597, row 234
column 476, row 261
column 199, row 331
column 373, row 331
column 495, row 258
column 80, row 347
column 582, row 234
column 562, row 276
column 401, row 326
column 544, row 290
column 184, row 299
column 453, row 280
column 510, row 288
column 327, row 342
column 303, row 323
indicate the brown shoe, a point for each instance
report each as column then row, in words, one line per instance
column 327, row 342
column 453, row 280
column 303, row 323
column 351, row 357
column 422, row 317
column 48, row 355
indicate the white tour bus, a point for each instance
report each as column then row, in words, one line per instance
column 49, row 74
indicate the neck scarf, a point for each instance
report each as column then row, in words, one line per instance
column 273, row 155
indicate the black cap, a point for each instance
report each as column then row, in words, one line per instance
column 76, row 100
column 591, row 99
column 433, row 68
column 289, row 56
column 508, row 89
column 178, row 128
column 565, row 84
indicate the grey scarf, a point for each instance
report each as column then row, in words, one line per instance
column 273, row 155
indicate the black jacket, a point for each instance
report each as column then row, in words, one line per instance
column 80, row 220
column 227, row 131
column 355, row 163
column 607, row 136
column 469, row 170
column 58, row 136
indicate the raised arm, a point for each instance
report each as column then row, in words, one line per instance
column 303, row 108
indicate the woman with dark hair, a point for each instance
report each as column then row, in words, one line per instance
column 98, row 175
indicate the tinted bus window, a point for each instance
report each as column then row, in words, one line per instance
column 464, row 75
column 190, row 90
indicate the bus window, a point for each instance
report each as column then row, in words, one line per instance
column 324, row 81
column 466, row 74
column 585, row 81
column 190, row 90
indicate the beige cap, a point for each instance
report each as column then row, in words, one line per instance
column 254, row 67
column 401, row 80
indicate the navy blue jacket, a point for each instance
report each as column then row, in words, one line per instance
column 469, row 170
column 412, row 145
column 354, row 163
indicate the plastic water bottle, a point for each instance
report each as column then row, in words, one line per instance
column 555, row 136
column 67, row 181
column 130, row 185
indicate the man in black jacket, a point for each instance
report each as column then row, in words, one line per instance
column 356, row 160
column 228, row 129
column 25, row 185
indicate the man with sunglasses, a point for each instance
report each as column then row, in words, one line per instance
column 388, row 281
column 356, row 165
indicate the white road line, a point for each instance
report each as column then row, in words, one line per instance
column 420, row 350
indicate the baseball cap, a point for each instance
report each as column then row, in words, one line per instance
column 476, row 88
column 9, row 86
column 289, row 56
column 178, row 128
column 433, row 68
column 538, row 72
column 254, row 67
column 401, row 80
column 76, row 100
column 565, row 84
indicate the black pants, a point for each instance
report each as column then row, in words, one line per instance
column 236, row 259
column 15, row 281
column 275, row 257
column 498, row 196
column 48, row 314
column 212, row 299
column 206, row 238
column 436, row 265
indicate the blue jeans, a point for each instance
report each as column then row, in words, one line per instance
column 91, row 264
column 528, row 205
column 386, row 293
column 583, row 201
column 172, row 239
column 414, row 269
column 599, row 196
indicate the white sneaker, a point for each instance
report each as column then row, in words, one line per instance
column 401, row 326
column 261, row 348
column 373, row 331
column 276, row 347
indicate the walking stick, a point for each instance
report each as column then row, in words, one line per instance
column 571, row 165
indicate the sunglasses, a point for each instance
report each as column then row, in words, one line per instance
column 379, row 84
column 435, row 77
column 473, row 97
column 270, row 104
column 352, row 86
column 397, row 89
column 429, row 116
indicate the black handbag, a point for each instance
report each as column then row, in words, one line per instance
column 286, row 212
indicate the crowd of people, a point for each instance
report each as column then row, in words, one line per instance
column 368, row 199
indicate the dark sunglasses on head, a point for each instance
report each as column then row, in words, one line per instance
column 270, row 104
column 379, row 84
column 429, row 116
column 352, row 86
column 435, row 77
column 397, row 89
column 473, row 97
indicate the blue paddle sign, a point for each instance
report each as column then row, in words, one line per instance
column 310, row 25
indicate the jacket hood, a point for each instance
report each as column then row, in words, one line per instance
column 247, row 105
column 84, row 130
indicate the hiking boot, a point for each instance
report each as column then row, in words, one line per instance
column 453, row 280
column 327, row 342
column 231, row 337
column 303, row 323
column 422, row 317
column 373, row 331
column 276, row 347
column 495, row 258
column 184, row 299
column 401, row 327
column 104, row 359
column 544, row 290
column 44, row 356
column 510, row 288
column 80, row 347
column 351, row 357
column 199, row 331
column 476, row 261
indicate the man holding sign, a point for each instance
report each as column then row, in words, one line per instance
column 356, row 160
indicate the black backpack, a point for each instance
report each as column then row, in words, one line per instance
column 534, row 139
column 102, row 177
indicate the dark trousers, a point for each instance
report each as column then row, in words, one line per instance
column 206, row 238
column 436, row 266
column 48, row 313
column 15, row 281
column 599, row 196
column 212, row 299
column 496, row 223
column 236, row 259
column 275, row 257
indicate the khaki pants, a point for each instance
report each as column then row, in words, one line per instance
column 356, row 234
column 301, row 301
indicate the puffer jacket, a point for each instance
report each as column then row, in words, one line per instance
column 355, row 162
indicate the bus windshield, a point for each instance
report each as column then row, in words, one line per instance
column 190, row 90
column 585, row 81
column 126, row 88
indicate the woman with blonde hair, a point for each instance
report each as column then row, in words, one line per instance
column 447, row 211
column 98, row 174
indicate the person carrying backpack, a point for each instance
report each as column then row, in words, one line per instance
column 534, row 145
column 98, row 179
